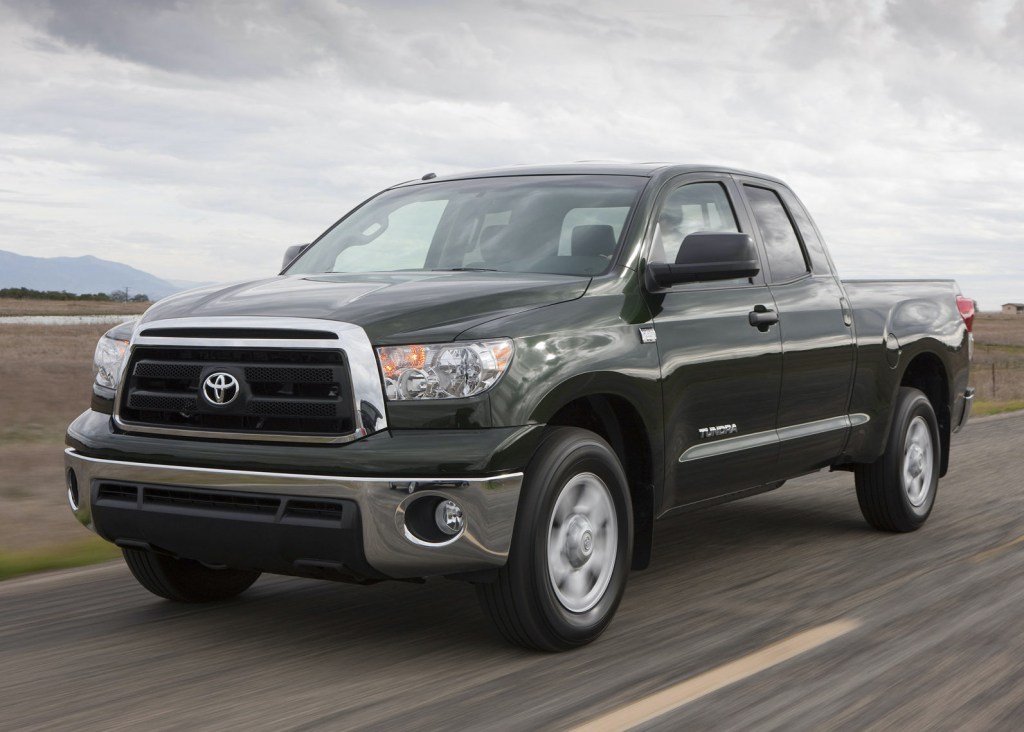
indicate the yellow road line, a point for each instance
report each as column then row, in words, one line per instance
column 989, row 553
column 667, row 700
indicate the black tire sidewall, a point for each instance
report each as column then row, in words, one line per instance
column 913, row 403
column 184, row 580
column 566, row 453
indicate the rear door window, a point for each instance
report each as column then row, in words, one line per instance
column 786, row 259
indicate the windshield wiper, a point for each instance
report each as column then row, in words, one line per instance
column 464, row 269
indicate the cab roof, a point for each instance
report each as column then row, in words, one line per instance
column 590, row 167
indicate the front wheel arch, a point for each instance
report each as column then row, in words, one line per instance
column 618, row 421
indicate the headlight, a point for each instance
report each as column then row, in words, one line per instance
column 108, row 360
column 443, row 370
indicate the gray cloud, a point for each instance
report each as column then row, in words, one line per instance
column 161, row 132
column 220, row 39
column 234, row 40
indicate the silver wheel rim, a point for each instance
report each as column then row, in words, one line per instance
column 918, row 462
column 582, row 542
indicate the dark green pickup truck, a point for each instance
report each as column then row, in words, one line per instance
column 505, row 377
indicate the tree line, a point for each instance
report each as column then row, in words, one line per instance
column 25, row 293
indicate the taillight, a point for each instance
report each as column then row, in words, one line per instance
column 966, row 307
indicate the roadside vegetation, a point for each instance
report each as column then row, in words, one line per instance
column 997, row 372
column 44, row 306
column 48, row 370
column 89, row 550
column 25, row 293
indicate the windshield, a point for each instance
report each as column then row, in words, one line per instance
column 565, row 224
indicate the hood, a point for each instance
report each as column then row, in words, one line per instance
column 398, row 307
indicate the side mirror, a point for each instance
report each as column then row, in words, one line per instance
column 705, row 257
column 291, row 253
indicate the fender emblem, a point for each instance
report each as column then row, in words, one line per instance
column 722, row 429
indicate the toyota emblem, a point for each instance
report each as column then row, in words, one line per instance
column 220, row 388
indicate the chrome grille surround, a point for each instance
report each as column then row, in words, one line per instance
column 271, row 333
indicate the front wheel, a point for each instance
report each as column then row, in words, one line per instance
column 184, row 580
column 571, row 549
column 897, row 491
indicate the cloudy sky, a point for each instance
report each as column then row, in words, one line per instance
column 198, row 139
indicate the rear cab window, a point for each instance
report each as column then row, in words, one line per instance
column 786, row 258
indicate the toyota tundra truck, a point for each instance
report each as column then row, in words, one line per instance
column 505, row 377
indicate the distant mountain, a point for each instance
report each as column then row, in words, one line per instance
column 82, row 274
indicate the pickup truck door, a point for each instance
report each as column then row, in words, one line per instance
column 816, row 327
column 720, row 374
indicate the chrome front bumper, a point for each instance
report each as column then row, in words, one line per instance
column 489, row 505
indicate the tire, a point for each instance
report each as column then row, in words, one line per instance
column 184, row 580
column 571, row 549
column 897, row 491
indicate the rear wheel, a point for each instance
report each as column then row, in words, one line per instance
column 897, row 491
column 184, row 580
column 571, row 549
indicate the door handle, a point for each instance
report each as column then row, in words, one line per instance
column 847, row 311
column 762, row 318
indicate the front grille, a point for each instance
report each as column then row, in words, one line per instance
column 289, row 391
column 156, row 402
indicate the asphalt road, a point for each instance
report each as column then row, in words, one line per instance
column 877, row 631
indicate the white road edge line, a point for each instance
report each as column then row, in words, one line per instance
column 667, row 700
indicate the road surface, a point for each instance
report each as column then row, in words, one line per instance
column 779, row 612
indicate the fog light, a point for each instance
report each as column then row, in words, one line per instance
column 449, row 518
column 72, row 482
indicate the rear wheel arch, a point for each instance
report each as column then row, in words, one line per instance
column 927, row 374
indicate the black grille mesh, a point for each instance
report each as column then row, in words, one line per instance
column 282, row 390
column 163, row 370
column 161, row 403
column 293, row 409
column 308, row 375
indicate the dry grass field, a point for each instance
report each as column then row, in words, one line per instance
column 998, row 329
column 998, row 368
column 47, row 375
column 13, row 306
